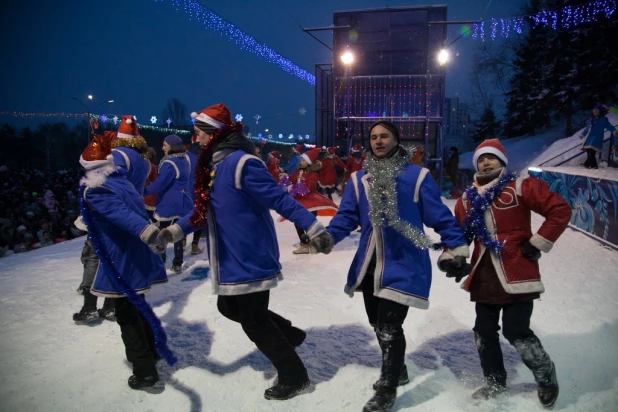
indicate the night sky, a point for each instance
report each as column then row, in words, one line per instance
column 143, row 52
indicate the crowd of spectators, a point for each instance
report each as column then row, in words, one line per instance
column 37, row 208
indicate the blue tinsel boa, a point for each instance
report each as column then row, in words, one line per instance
column 474, row 224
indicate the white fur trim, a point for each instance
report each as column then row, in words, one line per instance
column 174, row 165
column 518, row 183
column 463, row 251
column 541, row 243
column 129, row 121
column 490, row 150
column 95, row 177
column 304, row 156
column 316, row 229
column 202, row 117
column 79, row 223
column 371, row 246
column 160, row 218
column 126, row 136
column 419, row 182
column 239, row 166
column 354, row 178
column 176, row 232
column 147, row 232
column 127, row 161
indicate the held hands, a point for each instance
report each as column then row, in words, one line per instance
column 456, row 268
column 320, row 239
column 150, row 237
column 171, row 234
column 530, row 252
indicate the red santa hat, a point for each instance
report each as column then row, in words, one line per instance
column 311, row 156
column 274, row 154
column 331, row 150
column 98, row 152
column 357, row 148
column 490, row 146
column 128, row 128
column 298, row 148
column 217, row 115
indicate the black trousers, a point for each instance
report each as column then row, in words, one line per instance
column 137, row 337
column 304, row 239
column 516, row 329
column 261, row 327
column 178, row 246
column 387, row 318
column 591, row 160
column 196, row 236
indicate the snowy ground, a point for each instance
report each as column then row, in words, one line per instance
column 50, row 364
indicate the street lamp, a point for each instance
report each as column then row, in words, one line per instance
column 88, row 107
column 347, row 58
column 443, row 57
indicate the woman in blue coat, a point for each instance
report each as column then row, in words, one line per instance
column 392, row 200
column 172, row 190
column 593, row 133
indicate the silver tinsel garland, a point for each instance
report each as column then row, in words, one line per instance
column 382, row 199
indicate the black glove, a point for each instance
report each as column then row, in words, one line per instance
column 323, row 243
column 456, row 268
column 530, row 252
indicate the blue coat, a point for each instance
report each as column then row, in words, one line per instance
column 242, row 243
column 172, row 188
column 136, row 167
column 192, row 159
column 403, row 271
column 594, row 131
column 119, row 218
column 292, row 165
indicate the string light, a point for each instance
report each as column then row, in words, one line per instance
column 564, row 18
column 214, row 22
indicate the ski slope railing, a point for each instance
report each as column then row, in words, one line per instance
column 583, row 152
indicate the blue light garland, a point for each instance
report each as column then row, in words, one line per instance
column 214, row 22
column 565, row 18
column 474, row 224
column 138, row 301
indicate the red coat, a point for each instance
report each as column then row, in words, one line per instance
column 273, row 167
column 328, row 174
column 150, row 201
column 509, row 220
column 353, row 165
column 313, row 201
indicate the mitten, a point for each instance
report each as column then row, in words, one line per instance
column 530, row 252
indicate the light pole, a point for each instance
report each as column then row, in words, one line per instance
column 347, row 58
column 90, row 129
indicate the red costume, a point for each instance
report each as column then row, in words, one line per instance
column 328, row 173
column 273, row 165
column 313, row 201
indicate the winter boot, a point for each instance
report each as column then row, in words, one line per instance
column 382, row 401
column 403, row 378
column 537, row 360
column 108, row 312
column 88, row 312
column 304, row 249
column 492, row 388
column 288, row 387
column 177, row 268
column 139, row 382
column 548, row 390
column 195, row 249
column 293, row 334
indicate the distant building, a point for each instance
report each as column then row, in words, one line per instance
column 456, row 118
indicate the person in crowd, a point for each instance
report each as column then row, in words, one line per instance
column 150, row 201
column 328, row 173
column 294, row 160
column 593, row 133
column 192, row 151
column 452, row 166
column 495, row 212
column 272, row 165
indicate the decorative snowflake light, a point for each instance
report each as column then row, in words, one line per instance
column 291, row 136
column 115, row 119
column 302, row 111
column 257, row 118
column 104, row 118
column 280, row 136
column 153, row 119
column 238, row 117
column 168, row 121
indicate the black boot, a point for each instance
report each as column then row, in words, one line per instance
column 287, row 387
column 537, row 360
column 493, row 387
column 139, row 382
column 293, row 334
column 382, row 401
column 403, row 378
column 88, row 312
column 108, row 311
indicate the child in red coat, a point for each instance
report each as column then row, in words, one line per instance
column 328, row 173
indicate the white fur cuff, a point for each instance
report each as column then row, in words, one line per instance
column 176, row 232
column 148, row 232
column 315, row 230
column 541, row 243
column 463, row 251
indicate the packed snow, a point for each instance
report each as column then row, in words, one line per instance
column 49, row 363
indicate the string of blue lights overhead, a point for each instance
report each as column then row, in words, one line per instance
column 244, row 41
